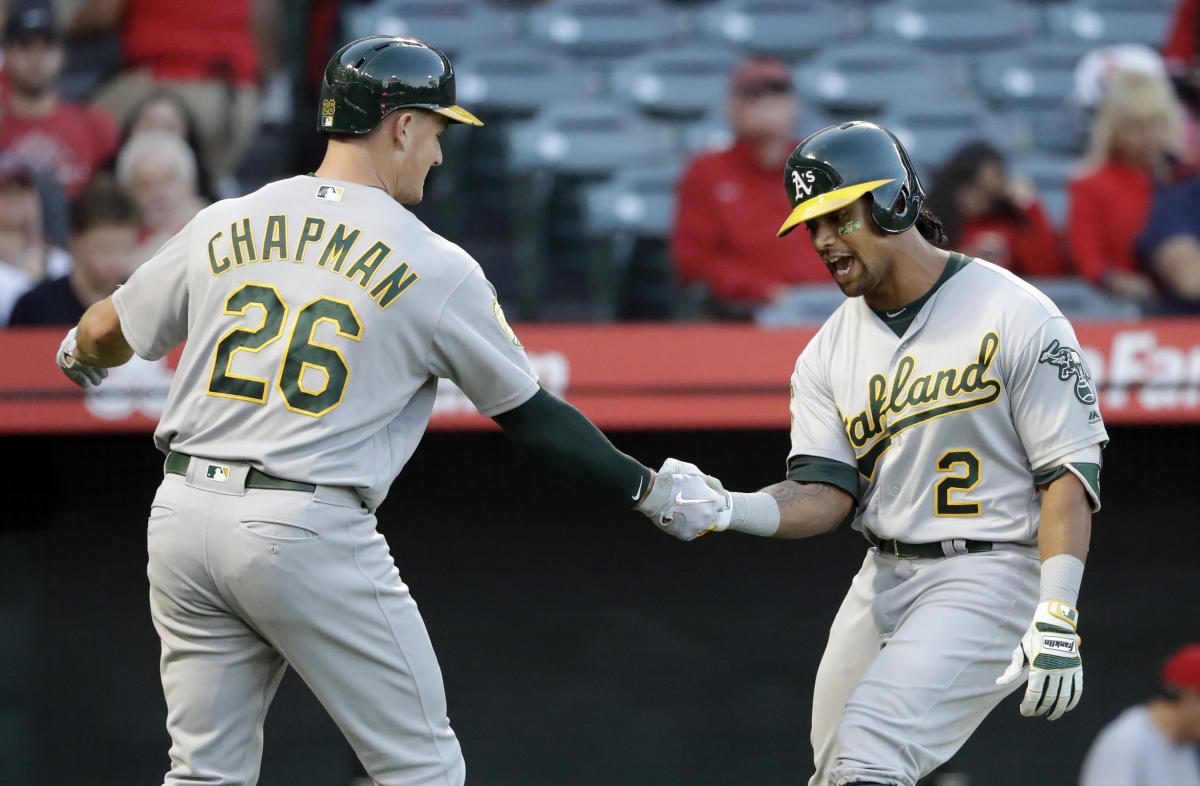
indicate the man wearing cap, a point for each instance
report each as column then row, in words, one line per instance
column 723, row 235
column 71, row 140
column 1156, row 742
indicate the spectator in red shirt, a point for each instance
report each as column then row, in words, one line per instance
column 39, row 127
column 212, row 54
column 1135, row 136
column 989, row 215
column 728, row 202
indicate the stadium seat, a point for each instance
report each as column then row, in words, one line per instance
column 519, row 80
column 1078, row 299
column 931, row 132
column 585, row 138
column 635, row 200
column 683, row 82
column 789, row 29
column 1113, row 22
column 1040, row 73
column 627, row 220
column 865, row 78
column 601, row 28
column 454, row 26
column 800, row 305
column 951, row 25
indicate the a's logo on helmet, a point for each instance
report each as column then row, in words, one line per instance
column 803, row 181
column 328, row 107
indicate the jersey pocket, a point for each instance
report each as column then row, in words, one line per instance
column 279, row 530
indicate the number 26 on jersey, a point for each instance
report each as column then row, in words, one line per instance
column 304, row 358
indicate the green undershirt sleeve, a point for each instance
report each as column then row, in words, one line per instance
column 558, row 438
column 1088, row 474
column 814, row 469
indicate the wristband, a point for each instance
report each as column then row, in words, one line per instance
column 1061, row 577
column 754, row 513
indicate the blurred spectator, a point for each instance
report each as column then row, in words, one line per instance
column 1135, row 138
column 104, row 243
column 25, row 257
column 1156, row 742
column 211, row 54
column 165, row 111
column 1169, row 248
column 159, row 171
column 729, row 202
column 1181, row 53
column 39, row 127
column 989, row 215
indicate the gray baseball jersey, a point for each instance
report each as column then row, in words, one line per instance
column 318, row 315
column 944, row 426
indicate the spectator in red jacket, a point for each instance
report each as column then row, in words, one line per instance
column 213, row 54
column 1135, row 137
column 989, row 215
column 729, row 202
column 40, row 128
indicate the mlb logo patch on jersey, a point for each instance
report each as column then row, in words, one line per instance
column 217, row 473
column 329, row 193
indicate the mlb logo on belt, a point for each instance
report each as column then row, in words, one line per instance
column 217, row 473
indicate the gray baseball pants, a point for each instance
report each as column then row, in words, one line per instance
column 910, row 667
column 245, row 582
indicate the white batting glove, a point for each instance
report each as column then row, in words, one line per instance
column 1051, row 650
column 684, row 502
column 77, row 371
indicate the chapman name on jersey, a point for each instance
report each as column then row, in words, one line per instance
column 894, row 407
column 240, row 246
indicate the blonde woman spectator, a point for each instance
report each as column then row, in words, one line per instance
column 1136, row 138
column 159, row 170
column 26, row 258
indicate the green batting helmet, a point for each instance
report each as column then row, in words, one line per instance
column 373, row 76
column 837, row 165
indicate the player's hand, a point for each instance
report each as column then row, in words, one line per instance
column 1050, row 648
column 685, row 502
column 77, row 371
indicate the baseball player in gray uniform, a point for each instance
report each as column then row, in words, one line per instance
column 319, row 314
column 946, row 409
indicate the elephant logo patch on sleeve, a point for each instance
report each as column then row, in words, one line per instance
column 1070, row 364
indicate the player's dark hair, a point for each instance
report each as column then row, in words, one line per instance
column 930, row 227
column 103, row 202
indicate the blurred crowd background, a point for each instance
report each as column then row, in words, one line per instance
column 631, row 163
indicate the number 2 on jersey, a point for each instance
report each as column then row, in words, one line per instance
column 302, row 353
column 967, row 480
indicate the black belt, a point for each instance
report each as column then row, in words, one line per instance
column 177, row 464
column 916, row 550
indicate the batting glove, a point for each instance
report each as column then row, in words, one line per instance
column 1050, row 648
column 684, row 502
column 77, row 371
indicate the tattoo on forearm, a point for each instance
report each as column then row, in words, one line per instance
column 790, row 491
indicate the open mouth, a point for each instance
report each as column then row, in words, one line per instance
column 840, row 265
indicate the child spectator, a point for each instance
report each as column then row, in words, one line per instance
column 40, row 128
column 988, row 214
column 104, row 243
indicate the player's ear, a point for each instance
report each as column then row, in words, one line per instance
column 401, row 130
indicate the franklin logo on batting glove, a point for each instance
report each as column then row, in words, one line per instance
column 1050, row 648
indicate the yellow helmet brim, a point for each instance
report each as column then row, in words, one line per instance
column 827, row 203
column 459, row 115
